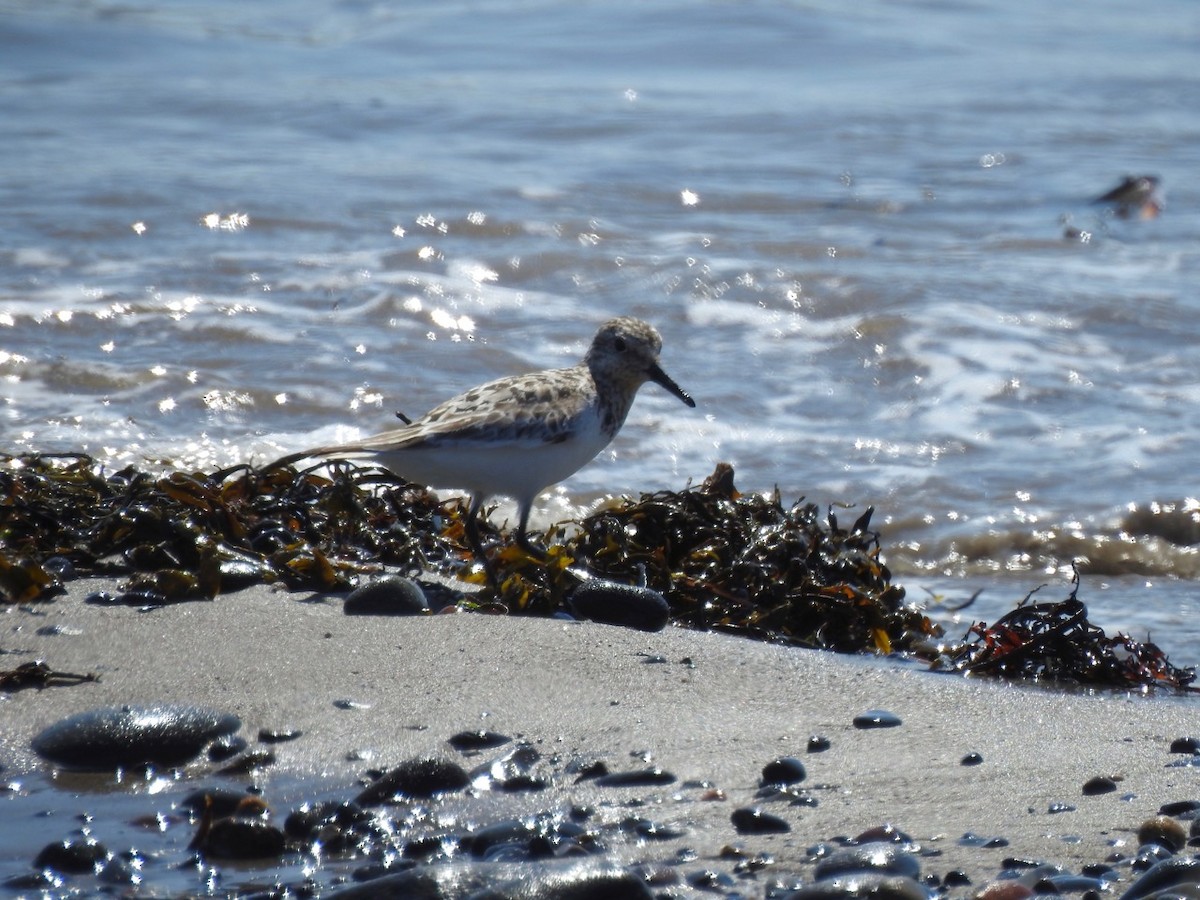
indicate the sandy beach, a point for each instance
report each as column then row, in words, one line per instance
column 707, row 707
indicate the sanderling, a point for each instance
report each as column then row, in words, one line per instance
column 516, row 436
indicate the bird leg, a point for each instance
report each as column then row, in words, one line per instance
column 522, row 538
column 471, row 526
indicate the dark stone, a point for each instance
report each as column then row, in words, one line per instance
column 876, row 718
column 423, row 778
column 123, row 736
column 621, row 604
column 1185, row 745
column 78, row 856
column 465, row 741
column 227, row 747
column 1176, row 870
column 278, row 735
column 876, row 887
column 818, row 743
column 390, row 596
column 785, row 770
column 751, row 820
column 878, row 857
column 636, row 778
column 972, row 759
column 238, row 838
column 1101, row 784
column 223, row 801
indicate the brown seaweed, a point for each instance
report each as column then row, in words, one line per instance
column 1056, row 642
column 745, row 564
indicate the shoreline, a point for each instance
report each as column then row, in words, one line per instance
column 712, row 709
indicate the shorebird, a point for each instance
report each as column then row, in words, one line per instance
column 516, row 436
column 1137, row 196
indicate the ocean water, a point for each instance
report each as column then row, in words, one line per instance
column 865, row 231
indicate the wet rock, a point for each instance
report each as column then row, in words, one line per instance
column 226, row 747
column 971, row 839
column 621, row 604
column 877, row 718
column 509, row 772
column 248, row 762
column 818, row 743
column 752, row 820
column 1186, row 809
column 587, row 880
column 1185, row 745
column 1004, row 890
column 221, row 801
column 278, row 735
column 76, row 856
column 122, row 736
column 1100, row 784
column 466, row 741
column 1148, row 856
column 877, row 857
column 390, row 596
column 853, row 887
column 243, row 838
column 1164, row 831
column 421, row 778
column 636, row 778
column 1169, row 873
column 784, row 770
column 972, row 759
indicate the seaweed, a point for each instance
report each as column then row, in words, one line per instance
column 39, row 675
column 1056, row 642
column 744, row 564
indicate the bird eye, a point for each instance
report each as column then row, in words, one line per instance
column 619, row 343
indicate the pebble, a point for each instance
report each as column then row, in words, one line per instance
column 818, row 743
column 1169, row 873
column 573, row 880
column 877, row 718
column 466, row 741
column 124, row 736
column 235, row 837
column 621, row 604
column 866, row 887
column 1100, row 784
column 1164, row 831
column 278, row 735
column 636, row 778
column 752, row 820
column 877, row 857
column 784, row 770
column 972, row 759
column 77, row 856
column 390, row 596
column 421, row 778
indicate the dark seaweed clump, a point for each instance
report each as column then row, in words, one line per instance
column 1056, row 642
column 744, row 564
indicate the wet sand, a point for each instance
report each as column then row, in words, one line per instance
column 713, row 708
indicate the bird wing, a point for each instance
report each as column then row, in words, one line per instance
column 522, row 409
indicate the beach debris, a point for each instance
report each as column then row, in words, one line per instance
column 38, row 674
column 708, row 557
column 113, row 737
column 1057, row 642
